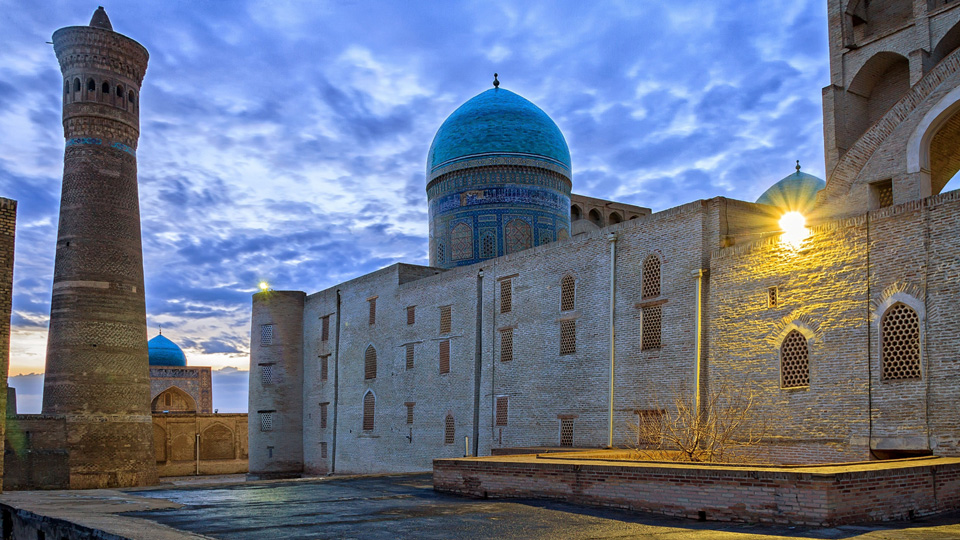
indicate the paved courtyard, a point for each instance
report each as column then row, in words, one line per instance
column 405, row 506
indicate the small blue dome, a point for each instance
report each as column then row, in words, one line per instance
column 163, row 352
column 497, row 122
column 796, row 192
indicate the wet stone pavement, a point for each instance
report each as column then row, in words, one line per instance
column 405, row 506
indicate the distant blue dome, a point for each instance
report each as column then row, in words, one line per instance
column 163, row 352
column 497, row 122
column 796, row 192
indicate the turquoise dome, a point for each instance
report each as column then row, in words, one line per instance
column 796, row 192
column 163, row 352
column 497, row 122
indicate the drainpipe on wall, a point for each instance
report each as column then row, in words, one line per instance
column 336, row 388
column 478, row 346
column 698, row 273
column 612, row 239
column 198, row 448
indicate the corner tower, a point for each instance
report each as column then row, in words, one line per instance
column 97, row 374
column 498, row 180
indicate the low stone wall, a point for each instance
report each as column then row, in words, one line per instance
column 804, row 495
column 222, row 443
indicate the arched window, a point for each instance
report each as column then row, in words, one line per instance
column 76, row 84
column 650, row 278
column 130, row 97
column 900, row 343
column 370, row 363
column 794, row 361
column 615, row 218
column 461, row 242
column 877, row 87
column 488, row 245
column 518, row 235
column 595, row 218
column 91, row 85
column 449, row 429
column 105, row 88
column 369, row 404
column 567, row 293
column 66, row 88
column 120, row 91
column 575, row 213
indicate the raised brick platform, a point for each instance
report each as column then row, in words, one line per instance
column 810, row 495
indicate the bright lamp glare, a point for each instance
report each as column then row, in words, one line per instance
column 264, row 285
column 794, row 227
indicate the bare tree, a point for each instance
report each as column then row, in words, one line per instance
column 728, row 427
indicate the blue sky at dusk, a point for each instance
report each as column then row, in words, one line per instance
column 286, row 141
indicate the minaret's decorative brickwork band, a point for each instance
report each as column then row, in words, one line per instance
column 97, row 373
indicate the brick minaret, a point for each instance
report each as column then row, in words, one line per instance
column 97, row 371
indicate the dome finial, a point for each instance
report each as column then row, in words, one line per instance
column 160, row 329
column 496, row 83
column 100, row 19
column 798, row 166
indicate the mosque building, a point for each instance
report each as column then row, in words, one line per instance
column 174, row 386
column 549, row 319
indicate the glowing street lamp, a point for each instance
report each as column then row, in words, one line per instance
column 795, row 230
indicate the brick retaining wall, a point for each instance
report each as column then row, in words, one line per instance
column 820, row 496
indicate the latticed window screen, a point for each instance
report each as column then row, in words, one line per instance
column 446, row 320
column 773, row 297
column 373, row 310
column 370, row 363
column 445, row 356
column 323, row 450
column 506, row 345
column 324, row 366
column 411, row 314
column 568, row 289
column 266, row 374
column 884, row 193
column 794, row 361
column 566, row 432
column 488, row 246
column 409, row 406
column 449, row 430
column 651, row 277
column 650, row 427
column 440, row 252
column 325, row 328
column 502, row 405
column 323, row 415
column 568, row 337
column 409, row 355
column 461, row 242
column 266, row 334
column 506, row 296
column 518, row 235
column 369, row 406
column 651, row 318
column 266, row 421
column 900, row 343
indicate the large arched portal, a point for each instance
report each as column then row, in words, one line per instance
column 933, row 151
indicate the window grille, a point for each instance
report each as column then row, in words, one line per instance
column 445, row 356
column 883, row 193
column 266, row 374
column 446, row 320
column 651, row 277
column 506, row 345
column 266, row 421
column 369, row 403
column 439, row 252
column 506, row 296
column 266, row 334
column 370, row 363
column 566, row 432
column 461, row 242
column 324, row 363
column 323, row 415
column 773, row 297
column 449, row 430
column 373, row 310
column 568, row 289
column 518, row 235
column 649, row 427
column 323, row 450
column 411, row 314
column 488, row 246
column 325, row 328
column 900, row 343
column 650, row 321
column 794, row 361
column 568, row 337
column 502, row 405
column 409, row 355
column 409, row 406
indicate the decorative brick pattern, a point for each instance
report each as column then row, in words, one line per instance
column 461, row 242
column 794, row 361
column 900, row 342
column 518, row 235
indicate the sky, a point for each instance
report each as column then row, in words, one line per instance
column 286, row 140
